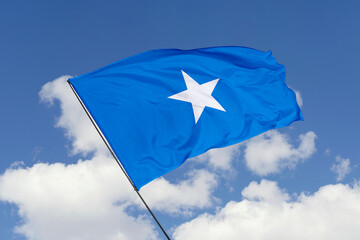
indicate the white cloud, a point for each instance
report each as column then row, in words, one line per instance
column 183, row 197
column 271, row 152
column 299, row 99
column 89, row 200
column 86, row 200
column 73, row 118
column 220, row 158
column 266, row 191
column 341, row 167
column 332, row 213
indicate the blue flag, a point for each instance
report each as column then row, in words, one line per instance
column 159, row 108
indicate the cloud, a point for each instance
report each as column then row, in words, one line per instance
column 271, row 152
column 266, row 212
column 299, row 99
column 91, row 199
column 220, row 158
column 266, row 191
column 86, row 200
column 73, row 118
column 341, row 167
column 181, row 198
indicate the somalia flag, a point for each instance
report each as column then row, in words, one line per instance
column 159, row 108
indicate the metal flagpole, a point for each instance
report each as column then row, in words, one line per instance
column 116, row 159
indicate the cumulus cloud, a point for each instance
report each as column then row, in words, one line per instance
column 86, row 200
column 299, row 99
column 194, row 192
column 266, row 191
column 220, row 158
column 266, row 212
column 73, row 118
column 341, row 167
column 271, row 152
column 90, row 199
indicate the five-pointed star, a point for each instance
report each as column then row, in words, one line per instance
column 198, row 95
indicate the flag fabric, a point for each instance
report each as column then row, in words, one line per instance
column 159, row 108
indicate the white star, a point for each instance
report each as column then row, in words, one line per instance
column 198, row 95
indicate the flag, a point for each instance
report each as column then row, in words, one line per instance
column 159, row 108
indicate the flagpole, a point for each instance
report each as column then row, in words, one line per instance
column 116, row 159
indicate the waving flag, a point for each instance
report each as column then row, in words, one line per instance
column 161, row 107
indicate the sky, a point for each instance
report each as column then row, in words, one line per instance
column 57, row 180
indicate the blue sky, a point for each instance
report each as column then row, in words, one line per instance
column 310, row 167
